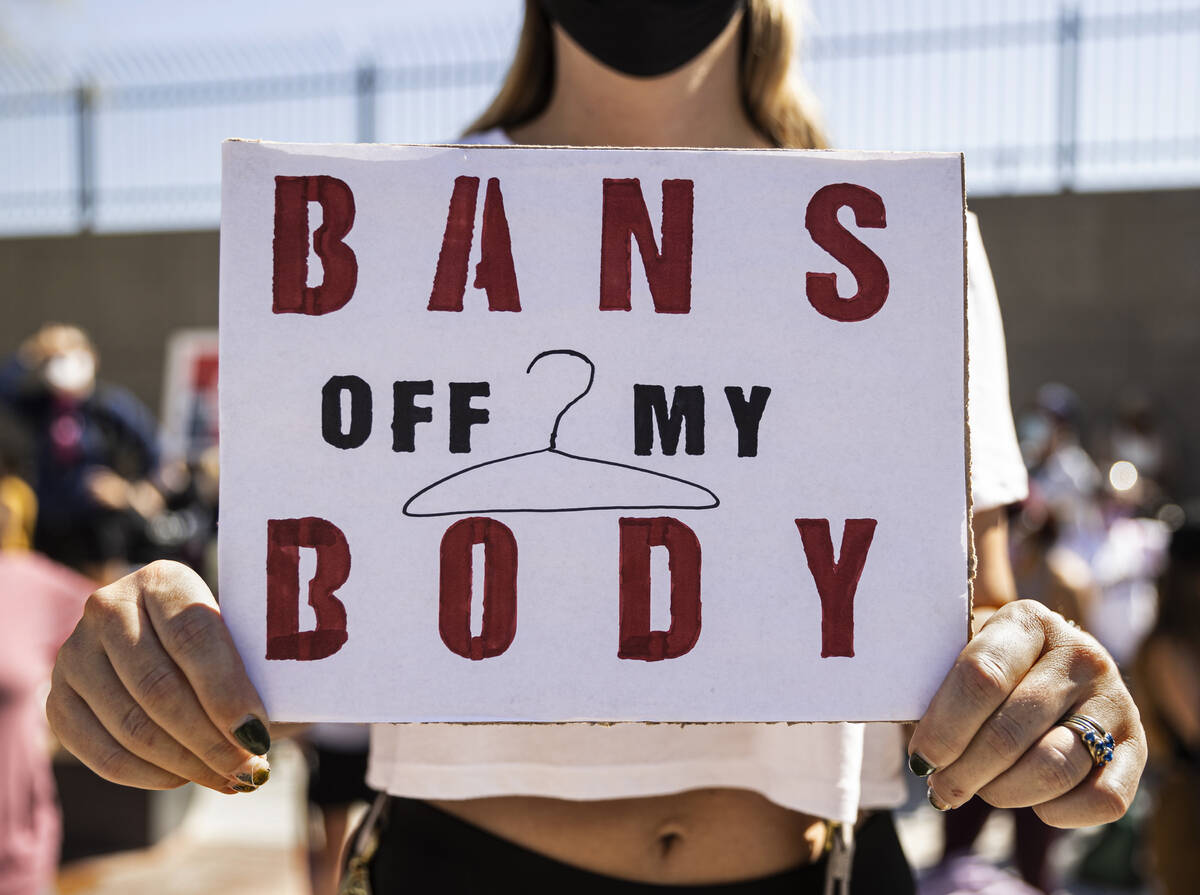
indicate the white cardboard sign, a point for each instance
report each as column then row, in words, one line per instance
column 526, row 434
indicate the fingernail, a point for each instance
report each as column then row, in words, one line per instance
column 244, row 787
column 254, row 772
column 936, row 802
column 252, row 734
column 919, row 765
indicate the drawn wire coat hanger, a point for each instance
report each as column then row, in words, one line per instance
column 546, row 464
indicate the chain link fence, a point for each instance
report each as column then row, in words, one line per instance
column 1040, row 96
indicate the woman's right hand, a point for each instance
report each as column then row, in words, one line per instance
column 149, row 691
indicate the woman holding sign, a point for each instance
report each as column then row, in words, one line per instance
column 149, row 690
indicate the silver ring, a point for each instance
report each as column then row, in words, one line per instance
column 1098, row 741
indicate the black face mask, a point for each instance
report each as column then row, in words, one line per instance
column 642, row 37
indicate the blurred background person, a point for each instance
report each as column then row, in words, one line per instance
column 18, row 503
column 1061, row 469
column 40, row 602
column 1168, row 693
column 95, row 452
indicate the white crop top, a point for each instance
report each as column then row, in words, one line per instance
column 827, row 770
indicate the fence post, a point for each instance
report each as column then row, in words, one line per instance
column 85, row 155
column 365, row 83
column 1068, row 95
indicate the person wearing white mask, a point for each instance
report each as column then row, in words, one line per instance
column 95, row 452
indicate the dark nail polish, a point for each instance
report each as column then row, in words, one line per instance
column 252, row 734
column 919, row 765
column 936, row 802
column 244, row 787
column 246, row 779
column 261, row 776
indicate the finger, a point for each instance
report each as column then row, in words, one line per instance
column 85, row 737
column 188, row 623
column 985, row 673
column 90, row 675
column 153, row 681
column 1056, row 764
column 1057, row 682
column 1105, row 793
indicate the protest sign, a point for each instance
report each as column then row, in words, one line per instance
column 530, row 434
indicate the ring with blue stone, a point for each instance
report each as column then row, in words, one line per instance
column 1098, row 741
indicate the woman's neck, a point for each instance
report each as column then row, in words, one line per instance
column 698, row 104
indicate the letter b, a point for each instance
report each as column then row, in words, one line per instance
column 285, row 537
column 291, row 293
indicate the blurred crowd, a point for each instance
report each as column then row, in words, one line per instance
column 82, row 478
column 1104, row 537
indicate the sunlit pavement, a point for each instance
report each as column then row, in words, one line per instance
column 233, row 845
column 254, row 843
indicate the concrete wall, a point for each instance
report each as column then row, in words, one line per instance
column 1099, row 290
column 128, row 291
column 1102, row 291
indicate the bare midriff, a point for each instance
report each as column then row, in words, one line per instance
column 703, row 836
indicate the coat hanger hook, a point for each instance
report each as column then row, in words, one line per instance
column 591, row 378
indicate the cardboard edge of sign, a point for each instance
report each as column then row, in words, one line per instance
column 488, row 722
column 971, row 557
column 838, row 154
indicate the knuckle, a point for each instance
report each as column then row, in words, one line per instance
column 160, row 685
column 937, row 745
column 118, row 766
column 1057, row 816
column 113, row 765
column 1057, row 772
column 136, row 727
column 1029, row 614
column 68, row 653
column 1004, row 737
column 1116, row 711
column 1087, row 661
column 54, row 710
column 103, row 606
column 1141, row 750
column 983, row 678
column 221, row 756
column 1053, row 815
column 1111, row 803
column 1000, row 796
column 161, row 576
column 188, row 633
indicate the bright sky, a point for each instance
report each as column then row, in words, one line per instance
column 68, row 25
column 38, row 26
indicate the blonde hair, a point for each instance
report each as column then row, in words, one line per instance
column 774, row 94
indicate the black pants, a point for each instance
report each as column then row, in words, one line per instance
column 423, row 849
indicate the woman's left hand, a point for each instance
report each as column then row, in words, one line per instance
column 992, row 727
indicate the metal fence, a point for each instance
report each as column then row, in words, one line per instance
column 1041, row 96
